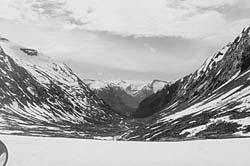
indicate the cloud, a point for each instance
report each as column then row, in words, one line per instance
column 185, row 18
column 194, row 4
column 42, row 12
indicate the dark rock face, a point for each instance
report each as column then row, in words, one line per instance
column 156, row 102
column 30, row 52
column 3, row 39
column 116, row 99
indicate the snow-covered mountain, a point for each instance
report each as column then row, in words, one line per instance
column 212, row 102
column 45, row 98
column 40, row 96
column 124, row 96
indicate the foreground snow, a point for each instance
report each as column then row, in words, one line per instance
column 35, row 151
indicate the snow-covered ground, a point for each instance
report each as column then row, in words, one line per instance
column 35, row 151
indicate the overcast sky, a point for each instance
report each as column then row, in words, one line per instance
column 126, row 39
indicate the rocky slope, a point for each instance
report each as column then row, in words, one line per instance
column 42, row 97
column 212, row 102
column 124, row 96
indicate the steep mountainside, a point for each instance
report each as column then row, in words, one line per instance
column 39, row 96
column 124, row 96
column 229, row 62
column 212, row 102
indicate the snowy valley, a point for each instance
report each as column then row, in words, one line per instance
column 40, row 97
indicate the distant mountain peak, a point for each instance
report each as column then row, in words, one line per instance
column 131, row 86
column 125, row 95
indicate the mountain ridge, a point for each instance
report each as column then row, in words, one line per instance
column 203, row 76
column 212, row 102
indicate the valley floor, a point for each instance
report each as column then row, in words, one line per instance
column 40, row 151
